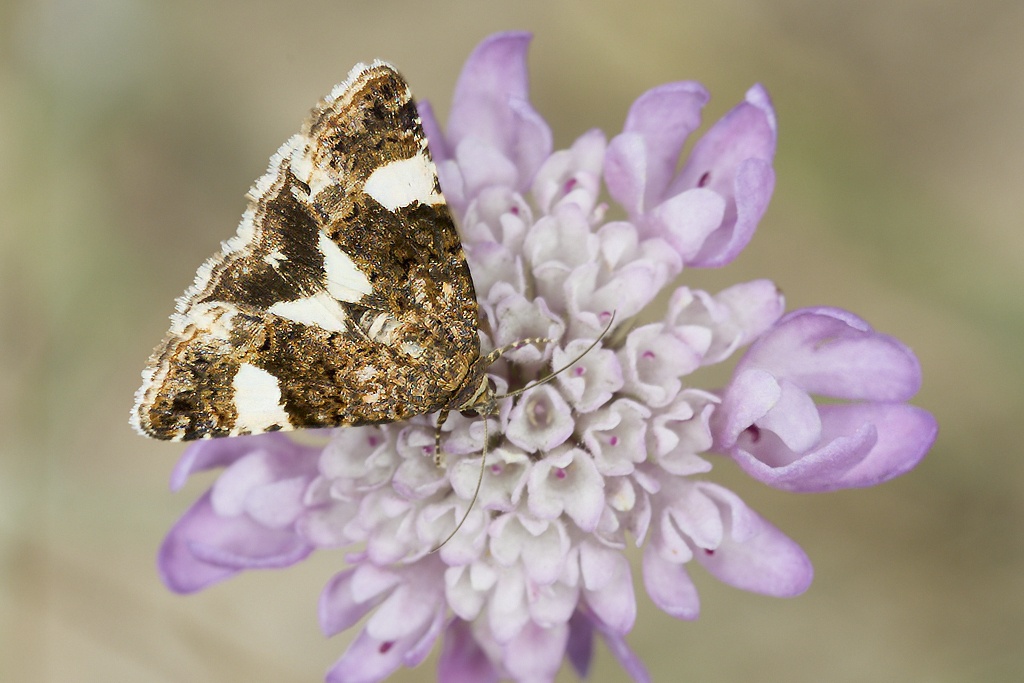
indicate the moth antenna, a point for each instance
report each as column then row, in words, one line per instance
column 556, row 373
column 476, row 494
column 499, row 352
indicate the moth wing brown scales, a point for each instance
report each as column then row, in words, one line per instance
column 273, row 333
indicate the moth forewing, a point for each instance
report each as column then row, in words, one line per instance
column 343, row 299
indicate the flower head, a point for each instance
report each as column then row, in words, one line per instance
column 616, row 450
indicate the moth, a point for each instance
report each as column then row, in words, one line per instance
column 344, row 298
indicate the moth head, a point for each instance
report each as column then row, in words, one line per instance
column 483, row 401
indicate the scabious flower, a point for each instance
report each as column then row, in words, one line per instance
column 616, row 450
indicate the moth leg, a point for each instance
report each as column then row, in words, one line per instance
column 442, row 417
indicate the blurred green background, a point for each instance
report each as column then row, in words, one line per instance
column 130, row 130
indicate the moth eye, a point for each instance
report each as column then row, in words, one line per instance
column 469, row 413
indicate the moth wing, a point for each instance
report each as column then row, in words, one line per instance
column 344, row 298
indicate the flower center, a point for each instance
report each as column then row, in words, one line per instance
column 539, row 412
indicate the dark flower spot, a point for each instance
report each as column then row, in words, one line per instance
column 755, row 433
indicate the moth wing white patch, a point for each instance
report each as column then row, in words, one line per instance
column 319, row 309
column 404, row 181
column 257, row 400
column 345, row 281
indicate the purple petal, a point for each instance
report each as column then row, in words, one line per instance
column 494, row 72
column 626, row 657
column 905, row 433
column 747, row 131
column 541, row 545
column 204, row 548
column 754, row 555
column 367, row 660
column 753, row 306
column 590, row 381
column 408, row 610
column 687, row 219
column 793, row 418
column 491, row 105
column 567, row 482
column 483, row 166
column 572, row 175
column 735, row 316
column 403, row 628
column 533, row 143
column 691, row 513
column 653, row 360
column 278, row 504
column 339, row 607
column 462, row 659
column 864, row 445
column 669, row 586
column 746, row 205
column 608, row 586
column 265, row 481
column 620, row 650
column 325, row 525
column 420, row 649
column 213, row 453
column 580, row 648
column 734, row 159
column 507, row 610
column 625, row 170
column 626, row 292
column 565, row 238
column 540, row 422
column 764, row 457
column 832, row 352
column 536, row 653
column 639, row 168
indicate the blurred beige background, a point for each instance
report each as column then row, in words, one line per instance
column 130, row 130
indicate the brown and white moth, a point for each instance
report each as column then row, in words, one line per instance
column 344, row 298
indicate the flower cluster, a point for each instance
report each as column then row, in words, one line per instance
column 611, row 453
